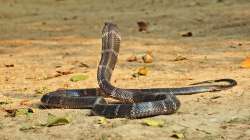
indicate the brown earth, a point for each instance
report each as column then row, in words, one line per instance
column 39, row 38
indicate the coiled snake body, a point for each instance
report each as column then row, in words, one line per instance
column 135, row 103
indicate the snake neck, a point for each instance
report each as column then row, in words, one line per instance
column 110, row 49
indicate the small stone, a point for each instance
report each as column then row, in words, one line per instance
column 132, row 58
column 9, row 65
column 180, row 58
column 143, row 26
column 186, row 34
column 147, row 58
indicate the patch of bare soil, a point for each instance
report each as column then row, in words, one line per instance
column 43, row 43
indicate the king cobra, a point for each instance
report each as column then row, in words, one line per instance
column 134, row 103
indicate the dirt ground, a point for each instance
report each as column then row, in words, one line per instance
column 43, row 38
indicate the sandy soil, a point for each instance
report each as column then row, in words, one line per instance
column 39, row 38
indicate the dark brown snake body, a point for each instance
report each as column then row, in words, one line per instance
column 135, row 103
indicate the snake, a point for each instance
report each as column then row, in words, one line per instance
column 133, row 103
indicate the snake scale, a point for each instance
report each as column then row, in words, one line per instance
column 134, row 103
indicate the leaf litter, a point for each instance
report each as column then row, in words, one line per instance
column 153, row 122
column 54, row 120
column 19, row 112
column 79, row 77
column 245, row 63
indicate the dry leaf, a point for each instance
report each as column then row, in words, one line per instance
column 77, row 78
column 19, row 112
column 132, row 58
column 24, row 111
column 64, row 72
column 186, row 34
column 59, row 73
column 180, row 58
column 135, row 75
column 102, row 121
column 52, row 76
column 153, row 122
column 245, row 63
column 83, row 65
column 143, row 71
column 216, row 97
column 54, row 120
column 26, row 127
column 178, row 135
column 9, row 65
column 25, row 102
column 147, row 58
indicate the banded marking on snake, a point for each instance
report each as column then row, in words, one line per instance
column 134, row 103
